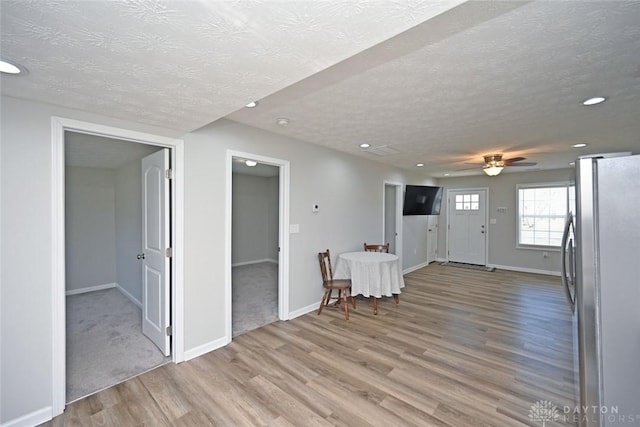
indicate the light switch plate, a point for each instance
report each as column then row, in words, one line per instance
column 294, row 228
column 492, row 221
column 315, row 207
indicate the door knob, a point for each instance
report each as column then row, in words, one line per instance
column 140, row 256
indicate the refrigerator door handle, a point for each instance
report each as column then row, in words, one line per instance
column 568, row 281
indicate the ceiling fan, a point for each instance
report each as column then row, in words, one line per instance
column 493, row 163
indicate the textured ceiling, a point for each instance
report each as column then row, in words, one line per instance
column 183, row 64
column 421, row 81
column 478, row 80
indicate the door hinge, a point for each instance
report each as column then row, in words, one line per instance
column 169, row 174
column 168, row 253
column 169, row 331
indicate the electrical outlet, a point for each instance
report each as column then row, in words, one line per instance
column 545, row 254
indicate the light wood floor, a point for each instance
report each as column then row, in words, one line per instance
column 463, row 348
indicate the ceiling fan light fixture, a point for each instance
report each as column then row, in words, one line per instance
column 492, row 170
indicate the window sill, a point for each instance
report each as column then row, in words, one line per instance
column 539, row 248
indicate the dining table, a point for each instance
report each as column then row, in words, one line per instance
column 372, row 274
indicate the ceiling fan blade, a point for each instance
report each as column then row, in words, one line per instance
column 521, row 164
column 514, row 159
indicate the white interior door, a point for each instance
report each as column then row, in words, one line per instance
column 432, row 238
column 155, row 242
column 390, row 232
column 467, row 226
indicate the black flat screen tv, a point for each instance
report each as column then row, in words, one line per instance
column 422, row 200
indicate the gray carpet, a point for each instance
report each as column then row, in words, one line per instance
column 468, row 266
column 254, row 296
column 105, row 345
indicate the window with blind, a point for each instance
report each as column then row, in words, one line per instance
column 542, row 211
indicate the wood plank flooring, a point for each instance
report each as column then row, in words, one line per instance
column 463, row 347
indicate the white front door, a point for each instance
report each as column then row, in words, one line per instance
column 467, row 226
column 155, row 242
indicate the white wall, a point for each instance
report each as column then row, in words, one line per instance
column 128, row 228
column 349, row 190
column 90, row 227
column 255, row 219
column 503, row 235
column 26, row 297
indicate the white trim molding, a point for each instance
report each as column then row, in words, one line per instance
column 90, row 289
column 130, row 297
column 258, row 261
column 525, row 270
column 415, row 267
column 304, row 310
column 59, row 126
column 32, row 419
column 205, row 348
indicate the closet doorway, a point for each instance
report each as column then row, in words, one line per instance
column 257, row 242
column 106, row 183
column 60, row 129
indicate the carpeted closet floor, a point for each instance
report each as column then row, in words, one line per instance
column 105, row 344
column 254, row 296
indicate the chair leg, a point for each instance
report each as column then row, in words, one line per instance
column 353, row 300
column 322, row 303
column 375, row 305
column 346, row 306
column 329, row 295
column 397, row 298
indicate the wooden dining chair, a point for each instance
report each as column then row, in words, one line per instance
column 377, row 248
column 343, row 286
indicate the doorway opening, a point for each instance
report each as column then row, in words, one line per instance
column 392, row 217
column 92, row 204
column 257, row 264
column 107, row 340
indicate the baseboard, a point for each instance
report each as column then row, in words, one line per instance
column 126, row 293
column 415, row 267
column 441, row 260
column 33, row 419
column 90, row 289
column 525, row 270
column 304, row 310
column 258, row 261
column 205, row 348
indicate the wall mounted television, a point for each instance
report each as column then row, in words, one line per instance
column 422, row 200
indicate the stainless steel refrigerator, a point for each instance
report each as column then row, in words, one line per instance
column 601, row 272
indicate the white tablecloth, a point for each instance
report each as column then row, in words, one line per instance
column 371, row 273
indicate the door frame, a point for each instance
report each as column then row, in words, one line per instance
column 399, row 203
column 58, row 316
column 486, row 219
column 283, row 236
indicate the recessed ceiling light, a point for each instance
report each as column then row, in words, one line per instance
column 364, row 145
column 595, row 100
column 250, row 163
column 420, row 165
column 253, row 104
column 282, row 121
column 572, row 163
column 447, row 174
column 9, row 68
column 580, row 145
